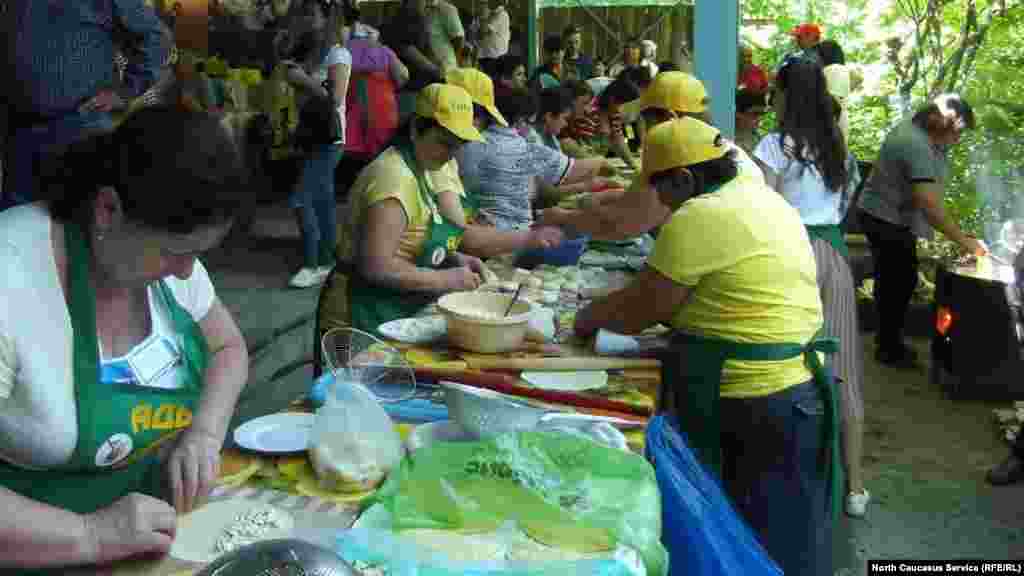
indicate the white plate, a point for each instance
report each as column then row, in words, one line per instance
column 568, row 381
column 283, row 433
column 421, row 330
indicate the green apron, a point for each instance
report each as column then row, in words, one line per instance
column 371, row 305
column 119, row 425
column 693, row 369
column 832, row 234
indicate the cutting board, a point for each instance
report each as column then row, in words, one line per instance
column 493, row 362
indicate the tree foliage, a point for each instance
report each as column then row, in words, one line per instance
column 921, row 48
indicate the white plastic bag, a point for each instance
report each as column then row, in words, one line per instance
column 354, row 443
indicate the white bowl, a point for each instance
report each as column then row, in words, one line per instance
column 488, row 334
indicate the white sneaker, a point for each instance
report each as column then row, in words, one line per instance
column 325, row 270
column 857, row 504
column 307, row 278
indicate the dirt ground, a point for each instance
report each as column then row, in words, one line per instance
column 925, row 458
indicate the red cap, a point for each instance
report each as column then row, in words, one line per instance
column 807, row 29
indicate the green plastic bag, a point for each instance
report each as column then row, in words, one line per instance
column 561, row 490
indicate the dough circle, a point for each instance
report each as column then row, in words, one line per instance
column 199, row 530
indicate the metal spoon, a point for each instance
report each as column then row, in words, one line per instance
column 514, row 298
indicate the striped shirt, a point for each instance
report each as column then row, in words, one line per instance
column 61, row 53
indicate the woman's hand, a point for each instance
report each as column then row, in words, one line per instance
column 554, row 216
column 461, row 279
column 133, row 525
column 472, row 262
column 192, row 468
column 545, row 237
column 974, row 247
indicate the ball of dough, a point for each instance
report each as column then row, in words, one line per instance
column 534, row 282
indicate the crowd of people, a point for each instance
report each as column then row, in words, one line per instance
column 120, row 369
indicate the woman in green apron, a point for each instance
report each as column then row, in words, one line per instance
column 399, row 249
column 119, row 369
column 734, row 274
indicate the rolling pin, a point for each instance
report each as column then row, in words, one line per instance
column 510, row 385
column 560, row 364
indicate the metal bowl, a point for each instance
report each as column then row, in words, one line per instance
column 485, row 413
column 286, row 557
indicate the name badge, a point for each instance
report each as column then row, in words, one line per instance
column 152, row 361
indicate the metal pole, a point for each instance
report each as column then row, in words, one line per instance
column 533, row 13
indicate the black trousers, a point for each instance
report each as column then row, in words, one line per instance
column 894, row 255
column 489, row 66
column 1018, row 445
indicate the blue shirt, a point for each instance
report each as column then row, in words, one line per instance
column 501, row 170
column 61, row 52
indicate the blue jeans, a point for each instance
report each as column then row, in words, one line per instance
column 773, row 471
column 28, row 145
column 314, row 198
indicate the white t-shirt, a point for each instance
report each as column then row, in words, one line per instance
column 338, row 54
column 495, row 43
column 38, row 415
column 802, row 185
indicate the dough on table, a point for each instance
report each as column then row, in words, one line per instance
column 199, row 530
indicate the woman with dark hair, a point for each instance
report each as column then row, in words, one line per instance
column 549, row 73
column 611, row 122
column 502, row 170
column 510, row 73
column 902, row 201
column 320, row 70
column 733, row 272
column 399, row 249
column 807, row 161
column 119, row 367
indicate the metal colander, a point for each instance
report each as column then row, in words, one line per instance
column 287, row 557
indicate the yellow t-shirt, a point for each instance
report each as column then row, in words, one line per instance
column 747, row 258
column 388, row 177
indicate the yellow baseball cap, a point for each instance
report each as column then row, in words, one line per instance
column 675, row 91
column 480, row 88
column 681, row 142
column 452, row 107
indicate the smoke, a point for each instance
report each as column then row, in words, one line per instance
column 999, row 182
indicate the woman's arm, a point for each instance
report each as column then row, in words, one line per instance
column 51, row 537
column 651, row 298
column 297, row 77
column 399, row 72
column 613, row 215
column 226, row 374
column 379, row 261
column 487, row 241
column 585, row 169
column 337, row 78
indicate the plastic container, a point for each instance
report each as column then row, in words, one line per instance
column 567, row 253
column 492, row 335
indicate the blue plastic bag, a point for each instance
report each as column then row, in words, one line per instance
column 704, row 534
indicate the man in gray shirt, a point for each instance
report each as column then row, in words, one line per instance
column 901, row 202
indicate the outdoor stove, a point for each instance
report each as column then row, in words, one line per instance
column 978, row 338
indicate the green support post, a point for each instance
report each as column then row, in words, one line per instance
column 533, row 13
column 716, row 38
